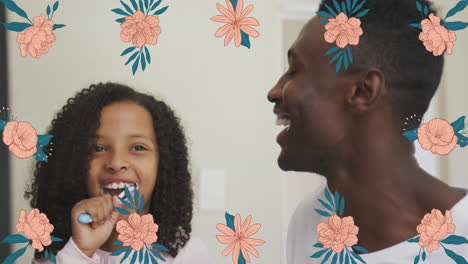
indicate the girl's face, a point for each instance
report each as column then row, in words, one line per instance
column 125, row 152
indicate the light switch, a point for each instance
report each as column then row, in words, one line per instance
column 212, row 189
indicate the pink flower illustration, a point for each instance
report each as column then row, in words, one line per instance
column 236, row 21
column 140, row 29
column 38, row 38
column 434, row 227
column 343, row 30
column 436, row 38
column 139, row 230
column 338, row 233
column 239, row 239
column 21, row 138
column 438, row 136
column 36, row 227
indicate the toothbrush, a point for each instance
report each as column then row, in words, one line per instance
column 86, row 218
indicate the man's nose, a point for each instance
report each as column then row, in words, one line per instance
column 274, row 94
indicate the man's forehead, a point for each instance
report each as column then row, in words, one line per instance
column 309, row 44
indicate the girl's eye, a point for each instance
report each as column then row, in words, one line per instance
column 139, row 147
column 98, row 149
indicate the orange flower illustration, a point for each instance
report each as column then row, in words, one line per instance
column 139, row 230
column 36, row 227
column 21, row 138
column 343, row 30
column 438, row 136
column 338, row 233
column 436, row 38
column 140, row 29
column 239, row 239
column 38, row 38
column 236, row 21
column 434, row 227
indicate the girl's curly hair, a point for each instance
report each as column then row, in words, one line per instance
column 60, row 183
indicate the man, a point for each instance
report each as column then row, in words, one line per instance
column 348, row 128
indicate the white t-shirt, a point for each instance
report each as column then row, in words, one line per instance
column 302, row 236
column 194, row 252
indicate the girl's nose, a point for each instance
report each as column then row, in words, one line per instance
column 117, row 161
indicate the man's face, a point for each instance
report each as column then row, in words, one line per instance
column 309, row 103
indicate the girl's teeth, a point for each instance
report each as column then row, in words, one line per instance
column 120, row 185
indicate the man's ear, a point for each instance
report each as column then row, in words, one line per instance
column 363, row 94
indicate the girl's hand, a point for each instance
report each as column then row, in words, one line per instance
column 90, row 237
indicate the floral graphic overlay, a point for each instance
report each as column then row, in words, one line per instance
column 435, row 34
column 237, row 24
column 38, row 34
column 438, row 136
column 22, row 139
column 140, row 26
column 138, row 233
column 237, row 236
column 37, row 233
column 338, row 236
column 344, row 29
column 433, row 232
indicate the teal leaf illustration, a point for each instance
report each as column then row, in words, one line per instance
column 129, row 10
column 462, row 140
column 352, row 260
column 345, row 60
column 56, row 239
column 459, row 124
column 454, row 26
column 330, row 51
column 229, row 221
column 318, row 245
column 52, row 257
column 357, row 257
column 128, row 195
column 459, row 7
column 16, row 26
column 337, row 68
column 122, row 211
column 343, row 8
column 57, row 26
column 350, row 55
column 329, row 198
column 55, row 7
column 245, row 39
column 48, row 10
column 12, row 258
column 134, row 4
column 363, row 13
column 148, row 57
column 324, row 14
column 140, row 257
column 322, row 213
column 127, row 50
column 142, row 8
column 153, row 260
column 414, row 240
column 324, row 22
column 160, row 247
column 457, row 258
column 411, row 135
column 126, row 255
column 125, row 202
column 120, row 20
column 146, row 4
column 134, row 69
column 327, row 206
column 146, row 258
column 47, row 253
column 320, row 253
column 424, row 256
column 455, row 240
column 335, row 258
column 342, row 206
column 142, row 199
column 18, row 238
column 155, row 5
column 119, row 251
column 40, row 156
column 347, row 259
column 154, row 252
column 361, row 249
column 416, row 26
column 119, row 11
column 341, row 256
column 354, row 3
column 358, row 6
column 160, row 11
column 136, row 196
column 334, row 58
column 348, row 4
column 135, row 254
column 416, row 259
column 13, row 7
column 337, row 200
column 43, row 140
column 234, row 4
column 241, row 259
column 337, row 6
column 118, row 243
column 425, row 11
column 419, row 6
column 327, row 257
column 330, row 10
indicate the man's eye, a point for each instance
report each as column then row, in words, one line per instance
column 290, row 73
column 139, row 147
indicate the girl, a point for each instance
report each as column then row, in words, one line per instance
column 106, row 137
